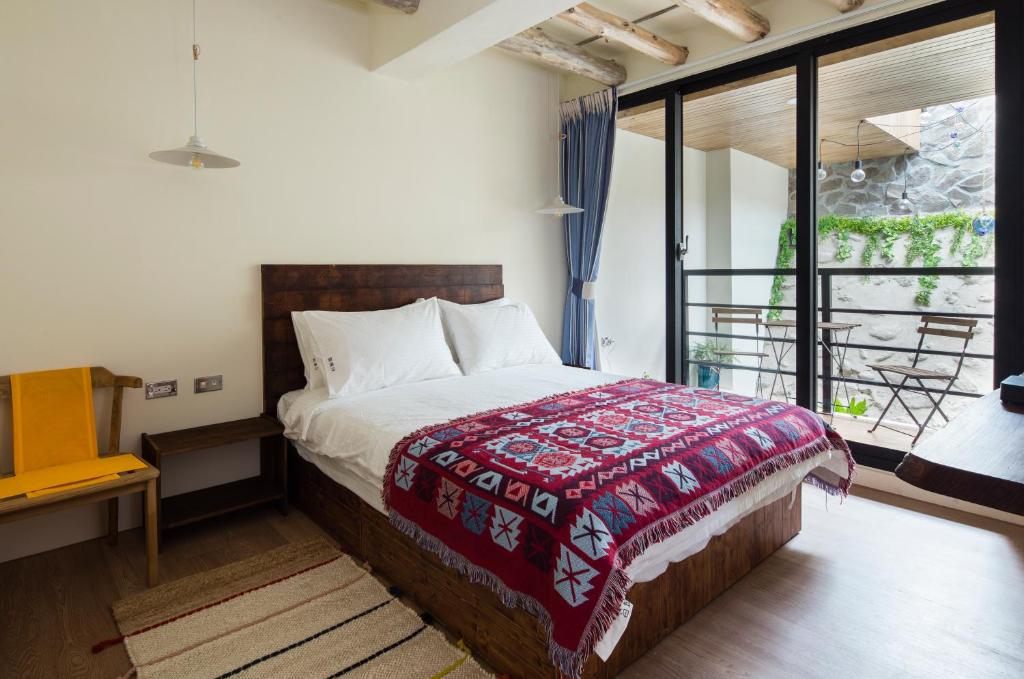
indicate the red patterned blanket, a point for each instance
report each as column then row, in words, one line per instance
column 548, row 502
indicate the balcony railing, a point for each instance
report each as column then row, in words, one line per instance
column 826, row 310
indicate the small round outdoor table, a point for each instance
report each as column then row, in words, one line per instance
column 838, row 353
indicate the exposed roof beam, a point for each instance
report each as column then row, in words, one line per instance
column 845, row 5
column 407, row 6
column 617, row 29
column 731, row 15
column 539, row 46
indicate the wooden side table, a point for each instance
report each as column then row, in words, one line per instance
column 270, row 486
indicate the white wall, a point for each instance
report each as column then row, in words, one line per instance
column 631, row 281
column 750, row 198
column 695, row 225
column 719, row 247
column 110, row 258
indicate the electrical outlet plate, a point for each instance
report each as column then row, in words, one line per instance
column 161, row 389
column 209, row 383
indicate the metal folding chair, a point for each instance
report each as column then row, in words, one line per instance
column 747, row 316
column 963, row 328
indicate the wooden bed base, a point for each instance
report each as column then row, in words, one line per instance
column 510, row 640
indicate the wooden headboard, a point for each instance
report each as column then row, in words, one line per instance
column 351, row 287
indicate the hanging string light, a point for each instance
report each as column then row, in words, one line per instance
column 984, row 224
column 905, row 204
column 858, row 174
column 820, row 173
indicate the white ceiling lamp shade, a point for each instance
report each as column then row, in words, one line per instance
column 559, row 207
column 195, row 153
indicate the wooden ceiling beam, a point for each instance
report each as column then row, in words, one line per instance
column 845, row 6
column 407, row 6
column 614, row 28
column 730, row 15
column 537, row 45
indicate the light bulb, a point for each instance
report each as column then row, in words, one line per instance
column 858, row 174
column 905, row 203
column 821, row 173
column 197, row 161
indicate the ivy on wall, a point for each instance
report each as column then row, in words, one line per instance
column 880, row 237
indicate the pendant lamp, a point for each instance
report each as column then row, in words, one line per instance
column 557, row 205
column 194, row 153
column 858, row 175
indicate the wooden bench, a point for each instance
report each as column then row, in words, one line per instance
column 127, row 483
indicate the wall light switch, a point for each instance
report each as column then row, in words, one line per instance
column 209, row 383
column 161, row 389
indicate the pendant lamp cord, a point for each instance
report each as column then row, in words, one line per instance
column 195, row 64
column 858, row 132
column 906, row 171
column 558, row 140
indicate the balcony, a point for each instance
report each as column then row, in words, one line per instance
column 851, row 396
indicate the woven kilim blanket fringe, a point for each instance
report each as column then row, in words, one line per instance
column 548, row 502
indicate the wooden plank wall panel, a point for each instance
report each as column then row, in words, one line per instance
column 280, row 277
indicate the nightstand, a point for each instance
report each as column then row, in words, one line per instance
column 270, row 486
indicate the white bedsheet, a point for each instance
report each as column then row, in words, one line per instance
column 351, row 438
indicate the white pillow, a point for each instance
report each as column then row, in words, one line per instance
column 309, row 351
column 491, row 337
column 368, row 350
column 446, row 306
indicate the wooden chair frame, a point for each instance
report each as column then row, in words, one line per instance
column 925, row 329
column 139, row 481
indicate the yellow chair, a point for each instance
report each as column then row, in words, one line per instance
column 56, row 458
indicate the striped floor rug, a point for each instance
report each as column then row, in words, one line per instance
column 302, row 610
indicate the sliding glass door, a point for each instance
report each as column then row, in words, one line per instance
column 830, row 221
column 737, row 151
column 906, row 231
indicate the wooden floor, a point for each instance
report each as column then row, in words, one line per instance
column 868, row 589
column 856, row 429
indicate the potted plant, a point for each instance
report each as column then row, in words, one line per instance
column 706, row 352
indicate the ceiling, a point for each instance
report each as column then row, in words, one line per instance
column 951, row 63
column 669, row 25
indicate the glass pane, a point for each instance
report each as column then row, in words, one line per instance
column 739, row 148
column 905, row 208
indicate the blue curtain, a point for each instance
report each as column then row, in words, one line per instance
column 588, row 139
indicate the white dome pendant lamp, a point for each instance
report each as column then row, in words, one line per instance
column 195, row 153
column 557, row 205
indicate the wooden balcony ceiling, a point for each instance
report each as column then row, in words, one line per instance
column 950, row 63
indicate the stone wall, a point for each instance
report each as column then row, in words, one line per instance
column 942, row 177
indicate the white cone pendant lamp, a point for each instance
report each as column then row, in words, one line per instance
column 195, row 153
column 557, row 205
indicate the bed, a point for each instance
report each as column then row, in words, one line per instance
column 337, row 469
